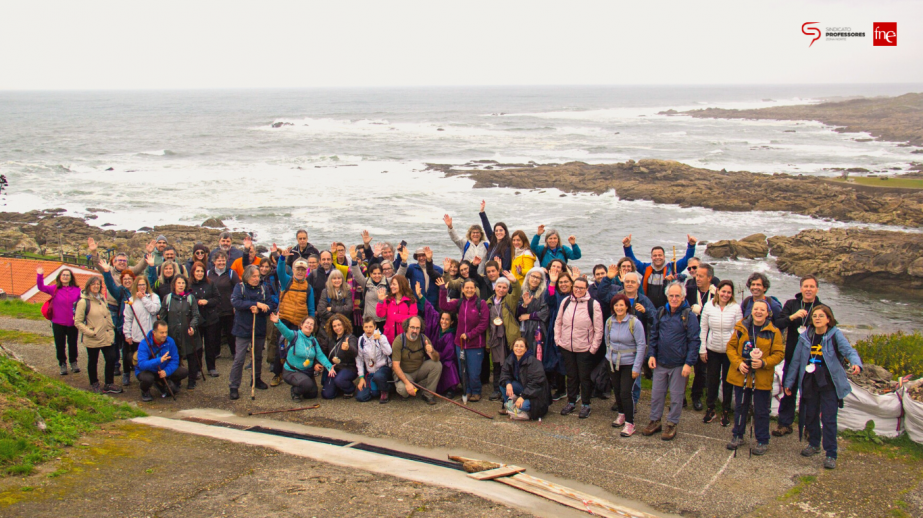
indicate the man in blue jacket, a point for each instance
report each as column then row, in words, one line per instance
column 417, row 274
column 158, row 362
column 674, row 351
column 656, row 274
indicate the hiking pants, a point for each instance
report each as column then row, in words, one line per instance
column 579, row 367
column 761, row 400
column 342, row 383
column 66, row 334
column 622, row 383
column 717, row 367
column 302, row 384
column 375, row 384
column 667, row 378
column 146, row 379
column 821, row 407
column 109, row 358
column 242, row 355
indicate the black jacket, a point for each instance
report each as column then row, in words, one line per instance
column 225, row 284
column 298, row 253
column 782, row 322
column 208, row 292
column 318, row 281
column 533, row 381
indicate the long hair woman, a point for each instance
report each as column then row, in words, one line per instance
column 64, row 295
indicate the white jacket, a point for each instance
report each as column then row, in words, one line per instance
column 146, row 309
column 717, row 325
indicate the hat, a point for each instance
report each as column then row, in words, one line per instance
column 300, row 263
column 161, row 238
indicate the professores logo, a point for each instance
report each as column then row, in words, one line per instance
column 884, row 33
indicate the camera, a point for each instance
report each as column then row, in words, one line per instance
column 747, row 349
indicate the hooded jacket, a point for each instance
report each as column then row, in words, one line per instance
column 181, row 313
column 832, row 342
column 790, row 327
column 625, row 343
column 147, row 309
column 508, row 311
column 242, row 299
column 372, row 354
column 473, row 316
column 531, row 375
column 768, row 340
column 203, row 290
column 470, row 250
column 574, row 330
column 224, row 283
column 675, row 337
column 149, row 355
column 395, row 313
column 95, row 324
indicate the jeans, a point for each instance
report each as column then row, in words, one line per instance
column 241, row 356
column 668, row 378
column 379, row 379
column 517, row 391
column 826, row 404
column 343, row 382
column 109, row 358
column 65, row 335
column 717, row 373
column 473, row 361
column 761, row 400
column 579, row 366
column 303, row 384
column 622, row 384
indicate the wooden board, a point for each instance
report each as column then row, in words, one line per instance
column 570, row 497
column 503, row 471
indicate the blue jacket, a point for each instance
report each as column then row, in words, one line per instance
column 673, row 342
column 120, row 294
column 837, row 372
column 304, row 349
column 643, row 267
column 149, row 356
column 545, row 255
column 285, row 280
column 242, row 298
column 415, row 276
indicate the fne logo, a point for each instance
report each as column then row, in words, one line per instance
column 885, row 34
column 811, row 31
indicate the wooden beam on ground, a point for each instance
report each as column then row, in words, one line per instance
column 503, row 471
column 571, row 497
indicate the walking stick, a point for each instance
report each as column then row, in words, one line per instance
column 456, row 403
column 149, row 348
column 312, row 407
column 253, row 360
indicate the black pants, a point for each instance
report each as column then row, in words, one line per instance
column 821, row 407
column 622, row 382
column 128, row 353
column 109, row 357
column 579, row 366
column 485, row 368
column 498, row 368
column 65, row 335
column 699, row 377
column 146, row 379
column 302, row 384
column 787, row 404
column 717, row 374
column 211, row 340
column 226, row 325
column 119, row 343
column 192, row 363
column 761, row 399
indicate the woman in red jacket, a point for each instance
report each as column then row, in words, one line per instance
column 396, row 307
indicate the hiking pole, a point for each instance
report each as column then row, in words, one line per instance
column 253, row 360
column 456, row 403
column 312, row 407
column 149, row 348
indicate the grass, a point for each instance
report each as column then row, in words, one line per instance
column 897, row 448
column 17, row 308
column 27, row 398
column 803, row 482
column 883, row 181
column 22, row 337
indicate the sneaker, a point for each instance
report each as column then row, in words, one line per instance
column 384, row 399
column 146, row 396
column 584, row 412
column 75, row 368
column 213, row 373
column 782, row 431
column 725, row 419
column 619, row 421
column 830, row 463
column 494, row 396
column 109, row 388
column 810, row 451
column 519, row 415
column 697, row 405
column 628, row 430
column 651, row 428
column 669, row 432
column 234, row 394
column 261, row 385
column 295, row 397
column 568, row 408
column 276, row 380
column 63, row 369
column 450, row 394
column 94, row 387
column 474, row 398
column 559, row 395
column 759, row 449
column 190, row 385
column 429, row 398
column 736, row 442
column 601, row 395
column 348, row 396
column 174, row 386
column 126, row 379
column 710, row 416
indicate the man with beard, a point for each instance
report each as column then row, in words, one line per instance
column 414, row 359
column 302, row 250
column 224, row 245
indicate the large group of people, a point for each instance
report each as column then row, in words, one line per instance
column 509, row 319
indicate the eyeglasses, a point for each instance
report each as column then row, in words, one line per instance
column 581, row 288
column 690, row 268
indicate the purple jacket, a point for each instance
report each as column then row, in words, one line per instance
column 62, row 301
column 473, row 315
column 444, row 344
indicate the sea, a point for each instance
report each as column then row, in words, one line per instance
column 339, row 161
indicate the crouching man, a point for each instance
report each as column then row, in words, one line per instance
column 158, row 363
column 414, row 360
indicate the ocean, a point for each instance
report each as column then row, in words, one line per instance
column 343, row 160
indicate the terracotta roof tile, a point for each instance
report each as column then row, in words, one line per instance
column 17, row 276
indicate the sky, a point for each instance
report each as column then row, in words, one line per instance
column 202, row 44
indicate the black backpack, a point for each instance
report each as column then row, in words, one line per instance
column 590, row 308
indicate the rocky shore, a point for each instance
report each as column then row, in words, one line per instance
column 895, row 119
column 664, row 181
column 50, row 233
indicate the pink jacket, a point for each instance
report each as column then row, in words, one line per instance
column 62, row 302
column 395, row 313
column 573, row 329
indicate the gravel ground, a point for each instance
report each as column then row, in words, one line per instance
column 134, row 470
column 39, row 327
column 693, row 475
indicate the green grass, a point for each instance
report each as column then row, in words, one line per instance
column 68, row 413
column 22, row 337
column 803, row 482
column 881, row 181
column 17, row 308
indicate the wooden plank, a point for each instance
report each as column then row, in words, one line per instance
column 563, row 500
column 572, row 497
column 503, row 471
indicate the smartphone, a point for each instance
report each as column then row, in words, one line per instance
column 403, row 244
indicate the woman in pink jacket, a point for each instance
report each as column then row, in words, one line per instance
column 396, row 307
column 64, row 295
column 578, row 331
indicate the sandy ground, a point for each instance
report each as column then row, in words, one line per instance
column 693, row 475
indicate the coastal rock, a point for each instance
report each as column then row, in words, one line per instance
column 873, row 259
column 750, row 247
column 280, row 124
column 14, row 240
column 98, row 210
column 213, row 223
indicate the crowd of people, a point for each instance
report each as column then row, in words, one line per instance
column 510, row 319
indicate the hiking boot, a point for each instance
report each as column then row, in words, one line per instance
column 384, row 399
column 474, row 398
column 559, row 395
column 519, row 416
column 75, row 368
column 759, row 449
column 725, row 419
column 710, row 416
column 782, row 431
column 494, row 396
column 126, row 379
column 450, row 394
column 429, row 398
column 503, row 410
column 276, row 380
column 174, row 386
column 810, row 451
column 63, row 369
column 619, row 421
column 95, row 388
column 110, row 388
column 568, row 408
column 190, row 385
column 736, row 442
column 146, row 396
column 584, row 412
column 651, row 428
column 213, row 373
column 261, row 385
column 628, row 430
column 830, row 463
column 234, row 394
column 669, row 432
column 697, row 405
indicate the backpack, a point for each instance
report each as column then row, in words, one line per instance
column 590, row 307
column 285, row 351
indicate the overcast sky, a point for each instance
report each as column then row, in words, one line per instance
column 198, row 44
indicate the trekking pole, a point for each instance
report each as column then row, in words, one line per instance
column 149, row 348
column 312, row 407
column 253, row 360
column 456, row 403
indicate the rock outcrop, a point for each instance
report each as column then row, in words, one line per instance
column 750, row 247
column 873, row 259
